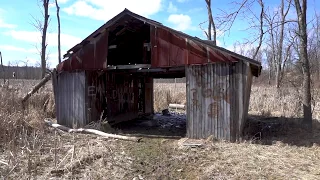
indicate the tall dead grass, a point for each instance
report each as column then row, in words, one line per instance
column 264, row 100
column 167, row 93
column 285, row 102
column 27, row 150
column 20, row 129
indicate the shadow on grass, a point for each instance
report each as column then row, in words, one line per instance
column 259, row 129
column 156, row 126
column 271, row 130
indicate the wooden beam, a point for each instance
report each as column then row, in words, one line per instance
column 136, row 66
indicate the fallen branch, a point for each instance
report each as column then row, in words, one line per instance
column 3, row 162
column 36, row 87
column 90, row 131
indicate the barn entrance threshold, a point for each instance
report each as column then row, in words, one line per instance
column 156, row 125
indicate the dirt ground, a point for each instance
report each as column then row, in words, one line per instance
column 162, row 153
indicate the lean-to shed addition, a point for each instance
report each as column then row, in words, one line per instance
column 110, row 75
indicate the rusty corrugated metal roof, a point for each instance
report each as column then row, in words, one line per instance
column 169, row 43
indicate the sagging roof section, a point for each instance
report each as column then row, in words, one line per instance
column 170, row 48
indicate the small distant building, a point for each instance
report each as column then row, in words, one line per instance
column 110, row 74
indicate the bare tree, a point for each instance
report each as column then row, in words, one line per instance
column 301, row 10
column 279, row 59
column 42, row 26
column 44, row 37
column 261, row 30
column 211, row 25
column 58, row 18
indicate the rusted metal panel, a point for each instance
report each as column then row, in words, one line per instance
column 92, row 56
column 208, row 101
column 70, row 99
column 218, row 99
column 171, row 49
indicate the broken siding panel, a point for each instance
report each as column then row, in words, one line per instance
column 70, row 100
column 208, row 101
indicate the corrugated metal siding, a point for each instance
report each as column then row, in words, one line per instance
column 217, row 100
column 208, row 98
column 241, row 81
column 70, row 98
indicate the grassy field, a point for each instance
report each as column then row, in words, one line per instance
column 29, row 149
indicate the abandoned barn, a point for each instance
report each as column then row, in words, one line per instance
column 110, row 74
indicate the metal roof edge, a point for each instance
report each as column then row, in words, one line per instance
column 158, row 24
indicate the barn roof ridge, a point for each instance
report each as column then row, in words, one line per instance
column 126, row 11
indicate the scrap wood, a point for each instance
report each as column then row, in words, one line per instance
column 90, row 131
column 177, row 106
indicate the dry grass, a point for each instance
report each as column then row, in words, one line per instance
column 30, row 150
column 265, row 101
column 284, row 102
column 165, row 93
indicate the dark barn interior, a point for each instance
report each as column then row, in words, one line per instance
column 129, row 42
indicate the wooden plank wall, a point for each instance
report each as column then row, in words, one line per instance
column 122, row 97
column 148, row 95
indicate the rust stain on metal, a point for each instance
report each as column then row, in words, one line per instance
column 93, row 56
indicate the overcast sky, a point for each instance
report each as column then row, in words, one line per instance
column 20, row 41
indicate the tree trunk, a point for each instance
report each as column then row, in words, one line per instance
column 59, row 46
column 269, row 76
column 261, row 30
column 279, row 68
column 36, row 88
column 211, row 24
column 3, row 72
column 44, row 36
column 301, row 10
column 318, row 46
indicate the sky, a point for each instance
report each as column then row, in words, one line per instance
column 20, row 41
